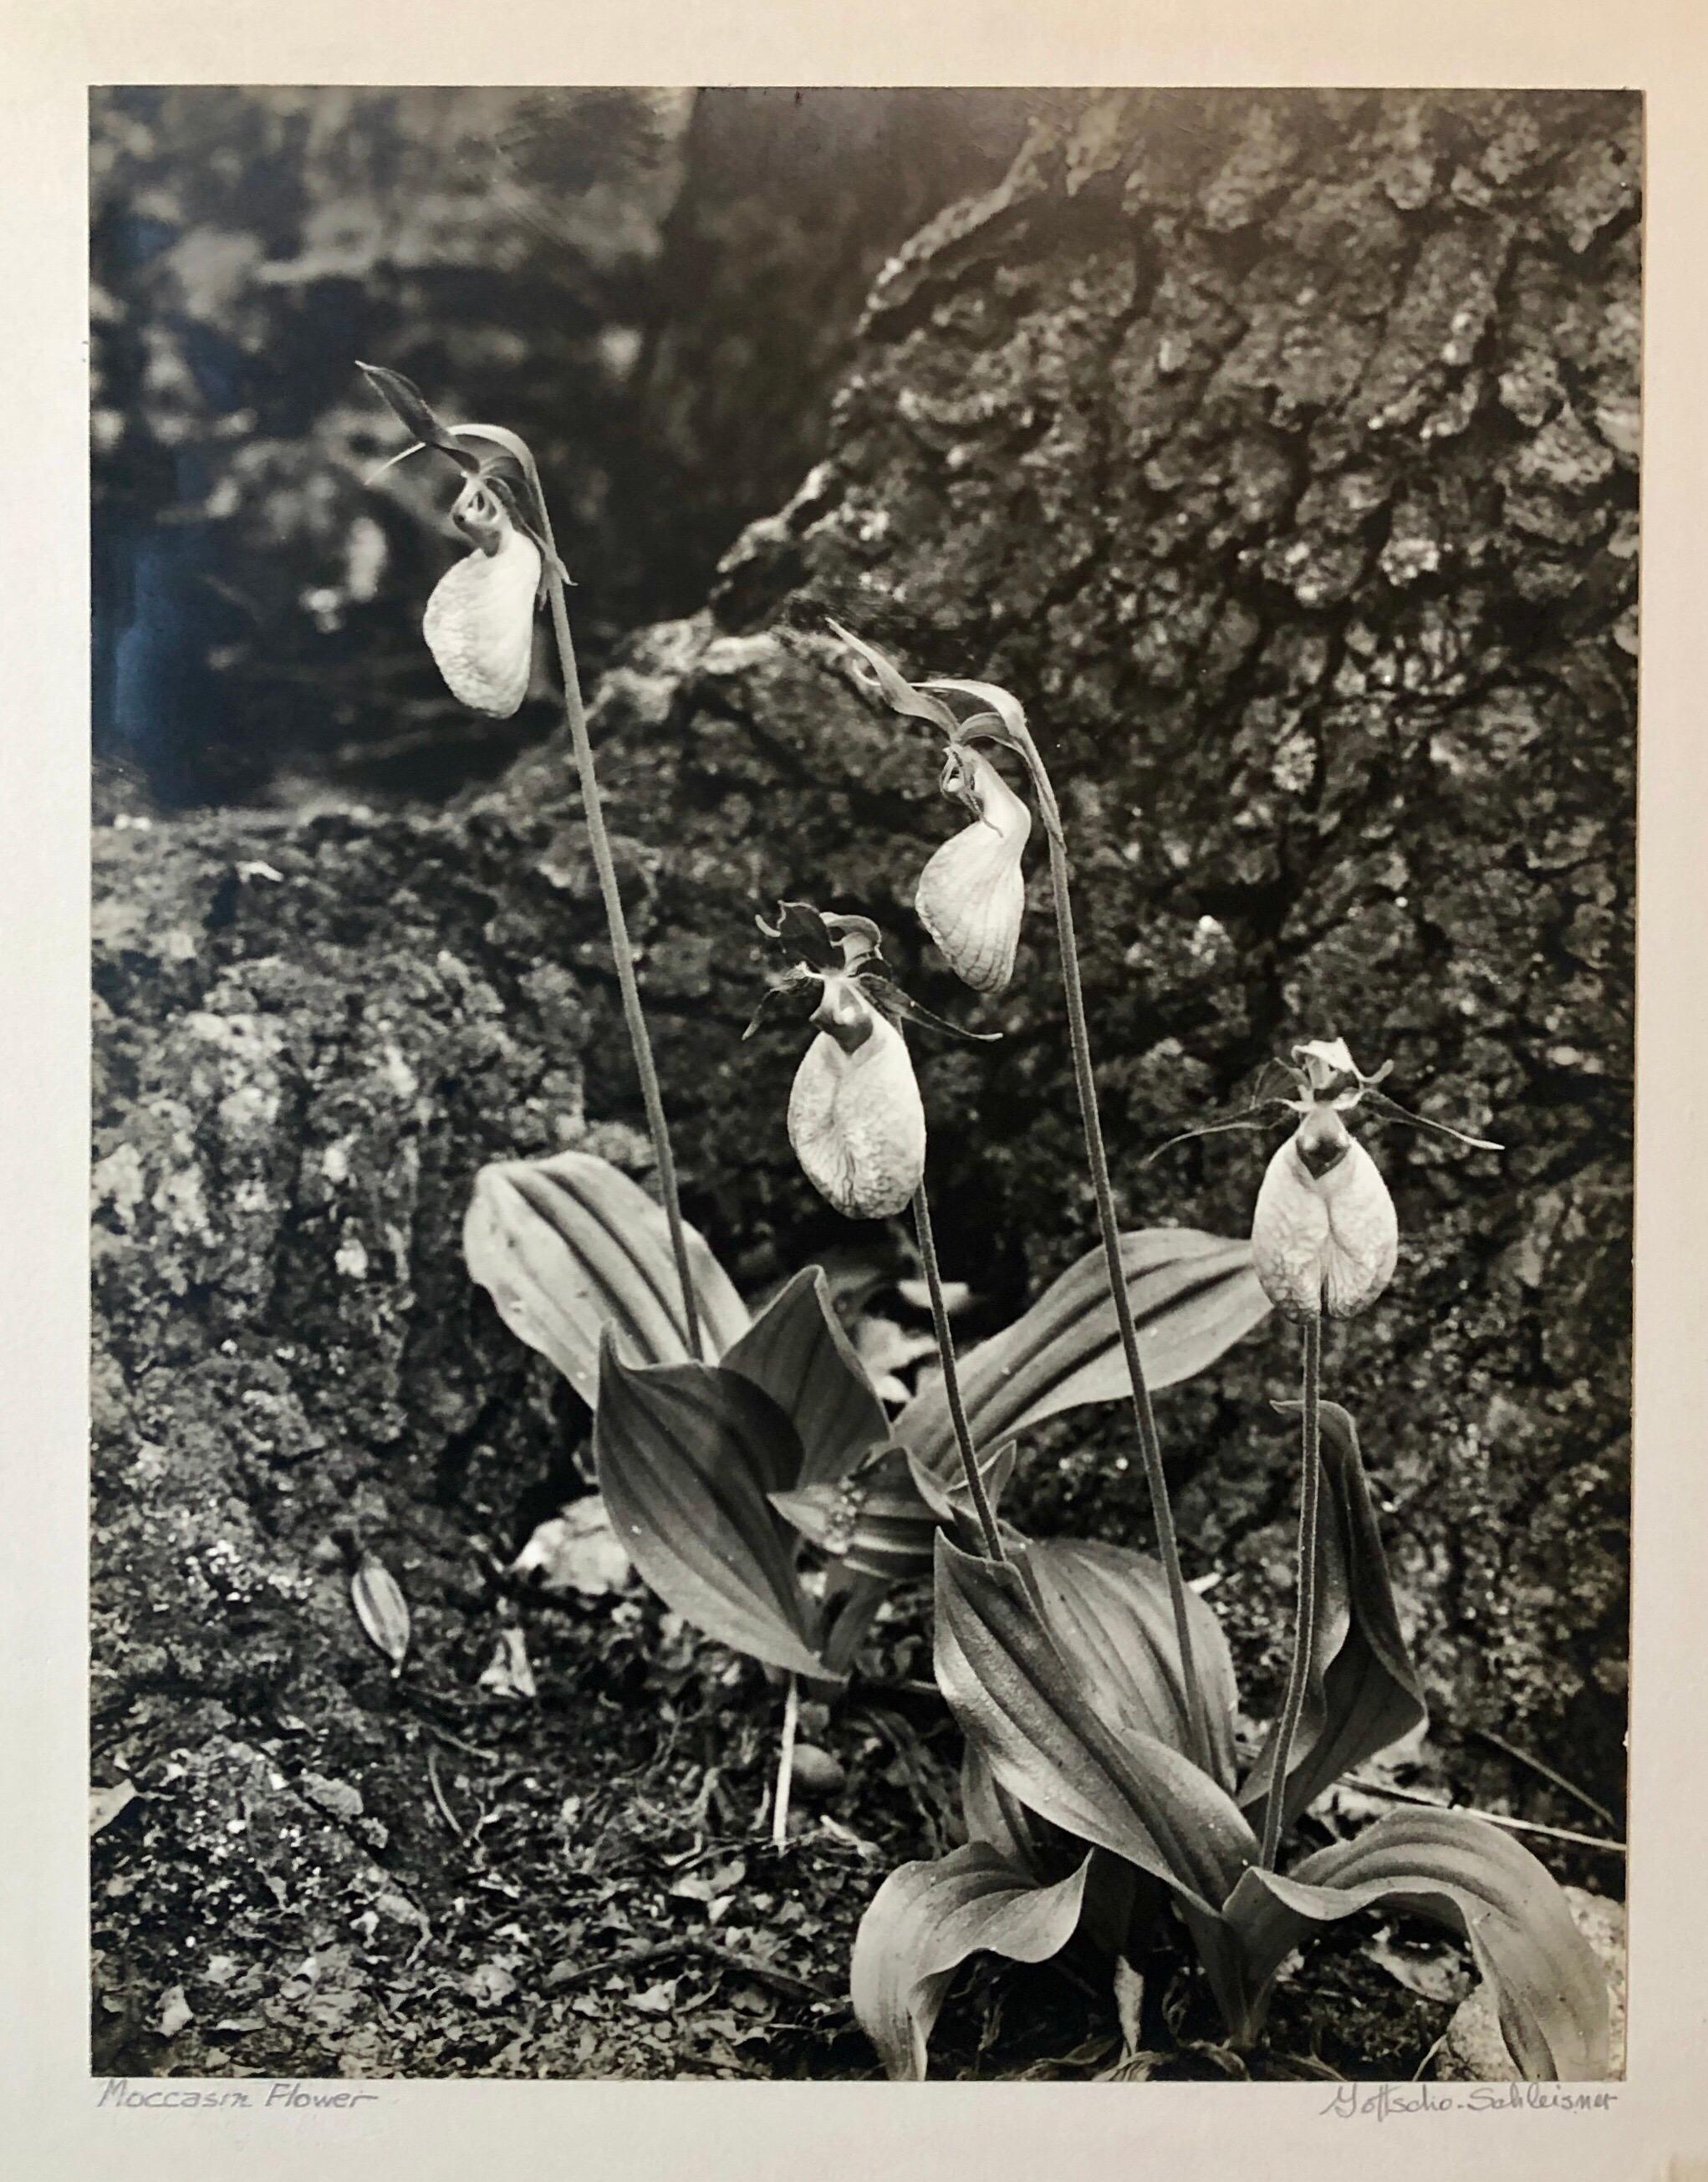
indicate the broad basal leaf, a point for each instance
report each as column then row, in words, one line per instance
column 1459, row 1872
column 1108, row 1609
column 1116, row 1894
column 926, row 1920
column 568, row 1246
column 1193, row 1296
column 1002, row 1822
column 1363, row 1691
column 799, row 1354
column 687, row 1455
column 1031, row 1711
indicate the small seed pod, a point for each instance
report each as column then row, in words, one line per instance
column 479, row 621
column 971, row 893
column 855, row 1119
column 1324, row 1238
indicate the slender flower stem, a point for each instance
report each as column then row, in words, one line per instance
column 951, row 1378
column 1299, row 1674
column 1109, row 1228
column 785, row 1767
column 621, row 948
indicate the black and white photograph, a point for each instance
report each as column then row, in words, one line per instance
column 863, row 955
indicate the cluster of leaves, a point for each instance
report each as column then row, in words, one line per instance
column 764, row 1493
column 760, row 1488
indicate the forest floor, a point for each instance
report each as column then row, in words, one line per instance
column 543, row 1848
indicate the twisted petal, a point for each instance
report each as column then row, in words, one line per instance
column 479, row 624
column 971, row 893
column 1323, row 1244
column 857, row 1122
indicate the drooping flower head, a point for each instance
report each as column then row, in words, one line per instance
column 971, row 893
column 855, row 1119
column 479, row 621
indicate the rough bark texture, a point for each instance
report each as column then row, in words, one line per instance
column 1279, row 452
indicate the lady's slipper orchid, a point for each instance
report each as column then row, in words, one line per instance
column 1324, row 1236
column 479, row 621
column 971, row 893
column 855, row 1119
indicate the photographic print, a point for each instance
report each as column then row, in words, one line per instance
column 863, row 877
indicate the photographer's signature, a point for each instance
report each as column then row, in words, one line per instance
column 1386, row 2101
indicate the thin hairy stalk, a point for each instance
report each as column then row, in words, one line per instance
column 621, row 948
column 1108, row 1228
column 951, row 1377
column 1299, row 1674
column 785, row 1767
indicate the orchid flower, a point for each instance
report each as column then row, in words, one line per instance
column 855, row 1119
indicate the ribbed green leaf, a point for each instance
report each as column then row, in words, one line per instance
column 1193, row 1297
column 799, row 1354
column 1108, row 1609
column 1363, row 1691
column 923, row 1923
column 1472, row 1877
column 687, row 1455
column 568, row 1246
column 1029, row 1710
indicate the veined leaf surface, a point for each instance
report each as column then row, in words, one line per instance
column 796, row 1351
column 1461, row 1872
column 1028, row 1708
column 1193, row 1296
column 567, row 1247
column 1109, row 1610
column 687, row 1455
column 923, row 1923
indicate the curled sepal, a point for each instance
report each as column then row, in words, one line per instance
column 882, row 678
column 381, row 1609
column 923, row 1923
column 1390, row 1109
column 823, row 941
column 855, row 1119
column 902, row 1007
column 410, row 405
column 479, row 621
column 972, row 894
column 1462, row 1873
column 797, row 984
column 1009, row 713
